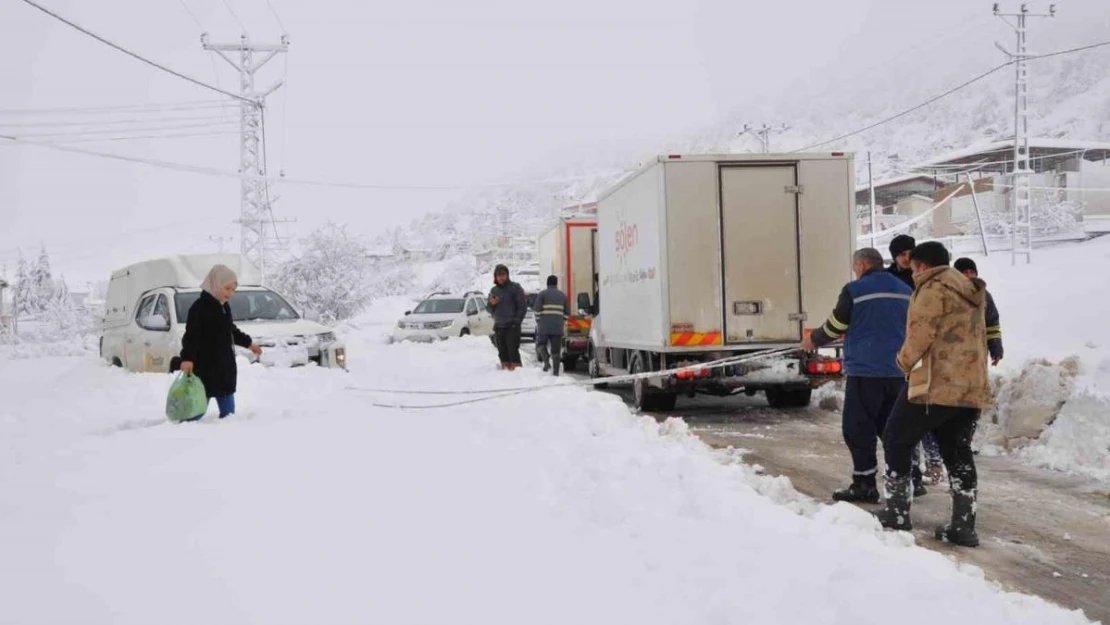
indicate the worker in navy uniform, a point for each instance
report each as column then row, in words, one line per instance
column 871, row 316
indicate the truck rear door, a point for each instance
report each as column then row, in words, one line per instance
column 759, row 249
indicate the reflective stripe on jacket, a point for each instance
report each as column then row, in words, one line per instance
column 552, row 309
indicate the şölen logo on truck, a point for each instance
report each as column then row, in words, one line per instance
column 627, row 237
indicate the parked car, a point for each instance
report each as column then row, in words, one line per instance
column 528, row 326
column 148, row 304
column 442, row 316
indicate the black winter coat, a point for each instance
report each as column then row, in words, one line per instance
column 210, row 337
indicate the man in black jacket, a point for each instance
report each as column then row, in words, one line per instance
column 509, row 306
column 967, row 267
column 900, row 248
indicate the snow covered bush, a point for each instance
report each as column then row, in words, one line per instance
column 333, row 274
column 453, row 275
column 1049, row 216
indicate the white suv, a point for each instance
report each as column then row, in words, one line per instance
column 442, row 316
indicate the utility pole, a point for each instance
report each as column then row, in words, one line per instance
column 871, row 189
column 1021, row 196
column 255, row 207
column 220, row 241
column 763, row 134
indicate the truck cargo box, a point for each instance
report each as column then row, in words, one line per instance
column 724, row 252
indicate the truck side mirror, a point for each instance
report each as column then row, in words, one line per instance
column 584, row 302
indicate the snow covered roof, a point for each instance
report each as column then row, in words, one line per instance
column 897, row 180
column 996, row 156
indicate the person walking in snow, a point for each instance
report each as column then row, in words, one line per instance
column 508, row 305
column 900, row 248
column 945, row 359
column 552, row 309
column 208, row 346
column 871, row 314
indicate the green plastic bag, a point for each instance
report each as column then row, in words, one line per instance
column 187, row 399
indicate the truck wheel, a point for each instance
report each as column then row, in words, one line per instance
column 569, row 363
column 644, row 397
column 665, row 402
column 593, row 367
column 789, row 397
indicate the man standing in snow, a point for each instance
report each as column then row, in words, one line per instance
column 871, row 311
column 945, row 359
column 900, row 248
column 967, row 267
column 508, row 305
column 552, row 309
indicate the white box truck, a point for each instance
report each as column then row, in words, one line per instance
column 711, row 256
column 148, row 304
column 569, row 251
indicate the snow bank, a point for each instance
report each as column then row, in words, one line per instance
column 1056, row 310
column 315, row 505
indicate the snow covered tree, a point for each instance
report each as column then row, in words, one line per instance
column 42, row 282
column 332, row 275
column 24, row 297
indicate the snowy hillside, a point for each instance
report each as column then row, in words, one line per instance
column 1069, row 97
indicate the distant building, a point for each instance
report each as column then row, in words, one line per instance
column 1075, row 171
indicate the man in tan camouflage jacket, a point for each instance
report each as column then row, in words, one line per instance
column 945, row 359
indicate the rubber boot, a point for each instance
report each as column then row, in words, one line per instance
column 961, row 531
column 547, row 367
column 861, row 490
column 896, row 515
column 919, row 489
column 555, row 366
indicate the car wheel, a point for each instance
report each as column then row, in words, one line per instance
column 465, row 332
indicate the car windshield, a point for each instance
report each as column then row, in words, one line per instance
column 439, row 307
column 251, row 305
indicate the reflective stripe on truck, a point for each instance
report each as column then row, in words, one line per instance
column 688, row 339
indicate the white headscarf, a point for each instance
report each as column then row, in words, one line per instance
column 218, row 277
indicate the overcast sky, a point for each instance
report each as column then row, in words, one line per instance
column 438, row 92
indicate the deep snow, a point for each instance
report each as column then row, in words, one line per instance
column 1056, row 308
column 311, row 506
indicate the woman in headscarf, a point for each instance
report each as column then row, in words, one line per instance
column 208, row 347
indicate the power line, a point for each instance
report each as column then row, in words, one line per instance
column 192, row 15
column 136, row 56
column 215, row 70
column 211, row 171
column 179, row 135
column 911, row 109
column 1032, row 57
column 235, row 17
column 123, row 108
column 276, row 16
column 110, row 131
column 951, row 91
column 115, row 122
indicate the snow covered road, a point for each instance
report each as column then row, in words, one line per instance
column 311, row 506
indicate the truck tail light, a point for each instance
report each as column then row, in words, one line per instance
column 691, row 374
column 827, row 366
